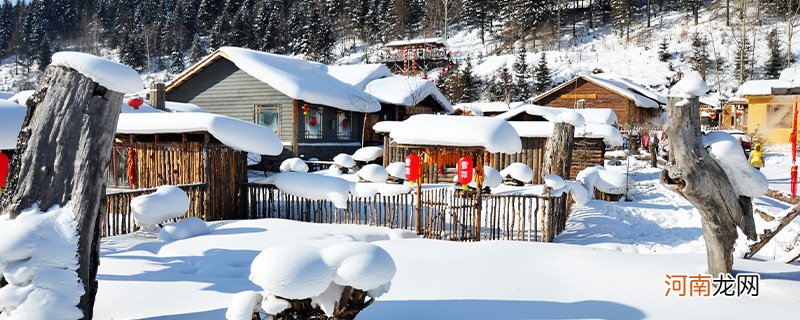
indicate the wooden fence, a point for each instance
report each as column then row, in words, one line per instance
column 444, row 213
column 116, row 208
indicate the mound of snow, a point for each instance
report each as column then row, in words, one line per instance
column 243, row 304
column 518, row 171
column 368, row 154
column 554, row 181
column 496, row 135
column 726, row 150
column 397, row 170
column 578, row 192
column 373, row 173
column 297, row 271
column 168, row 202
column 344, row 160
column 691, row 85
column 291, row 271
column 601, row 179
column 183, row 229
column 114, row 76
column 571, row 117
column 312, row 186
column 369, row 189
column 38, row 259
column 294, row 165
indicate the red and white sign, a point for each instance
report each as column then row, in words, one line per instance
column 464, row 170
column 412, row 167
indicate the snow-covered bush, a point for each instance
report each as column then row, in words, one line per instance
column 167, row 202
column 307, row 281
column 294, row 165
column 344, row 160
column 373, row 173
column 397, row 172
column 183, row 229
column 518, row 171
column 368, row 154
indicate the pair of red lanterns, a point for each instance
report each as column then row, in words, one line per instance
column 414, row 169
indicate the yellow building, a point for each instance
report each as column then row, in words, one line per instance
column 771, row 106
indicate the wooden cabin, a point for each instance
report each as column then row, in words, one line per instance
column 415, row 56
column 155, row 149
column 770, row 106
column 634, row 105
column 318, row 111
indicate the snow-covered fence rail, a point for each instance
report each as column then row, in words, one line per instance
column 444, row 213
column 116, row 208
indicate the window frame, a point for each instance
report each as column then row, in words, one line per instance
column 261, row 107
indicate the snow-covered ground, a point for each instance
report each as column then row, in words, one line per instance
column 196, row 278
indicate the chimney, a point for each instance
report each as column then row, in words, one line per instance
column 158, row 95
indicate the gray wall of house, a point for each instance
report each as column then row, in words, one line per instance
column 223, row 88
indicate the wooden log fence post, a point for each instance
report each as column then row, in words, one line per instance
column 557, row 161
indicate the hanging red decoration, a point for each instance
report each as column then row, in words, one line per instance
column 412, row 167
column 135, row 102
column 344, row 123
column 305, row 109
column 131, row 167
column 464, row 170
column 712, row 115
column 313, row 121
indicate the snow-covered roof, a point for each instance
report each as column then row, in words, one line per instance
column 591, row 115
column 11, row 117
column 170, row 106
column 543, row 129
column 297, row 78
column 359, row 75
column 496, row 135
column 398, row 43
column 112, row 75
column 406, row 91
column 232, row 132
column 789, row 78
column 385, row 126
column 481, row 108
column 641, row 96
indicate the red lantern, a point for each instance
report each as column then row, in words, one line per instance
column 412, row 167
column 712, row 115
column 313, row 121
column 344, row 123
column 135, row 102
column 464, row 170
column 305, row 109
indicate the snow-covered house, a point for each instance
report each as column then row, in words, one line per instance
column 317, row 110
column 770, row 104
column 634, row 104
column 534, row 124
column 158, row 148
column 415, row 55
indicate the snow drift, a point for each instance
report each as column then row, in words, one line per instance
column 312, row 186
column 167, row 202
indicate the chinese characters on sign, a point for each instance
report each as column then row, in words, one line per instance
column 704, row 285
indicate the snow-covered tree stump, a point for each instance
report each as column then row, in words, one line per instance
column 557, row 161
column 63, row 150
column 697, row 176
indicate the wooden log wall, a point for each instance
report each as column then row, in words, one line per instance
column 117, row 218
column 446, row 214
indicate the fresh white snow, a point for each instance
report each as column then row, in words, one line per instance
column 368, row 154
column 183, row 229
column 312, row 186
column 232, row 132
column 691, row 85
column 373, row 173
column 167, row 202
column 571, row 117
column 496, row 135
column 294, row 164
column 611, row 136
column 344, row 160
column 397, row 170
column 112, row 75
column 11, row 117
column 518, row 171
column 727, row 152
column 406, row 91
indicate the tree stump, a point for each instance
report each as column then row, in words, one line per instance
column 557, row 160
column 63, row 150
column 696, row 176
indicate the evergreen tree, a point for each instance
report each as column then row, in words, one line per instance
column 499, row 86
column 177, row 66
column 470, row 85
column 541, row 78
column 320, row 33
column 44, row 52
column 621, row 15
column 700, row 59
column 777, row 58
column 521, row 89
column 207, row 12
column 481, row 14
column 663, row 51
column 6, row 26
column 198, row 51
column 446, row 83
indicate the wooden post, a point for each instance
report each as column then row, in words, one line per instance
column 478, row 195
column 694, row 174
column 63, row 151
column 419, row 204
column 557, row 161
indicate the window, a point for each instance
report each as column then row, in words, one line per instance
column 343, row 125
column 117, row 170
column 779, row 116
column 268, row 116
column 313, row 123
